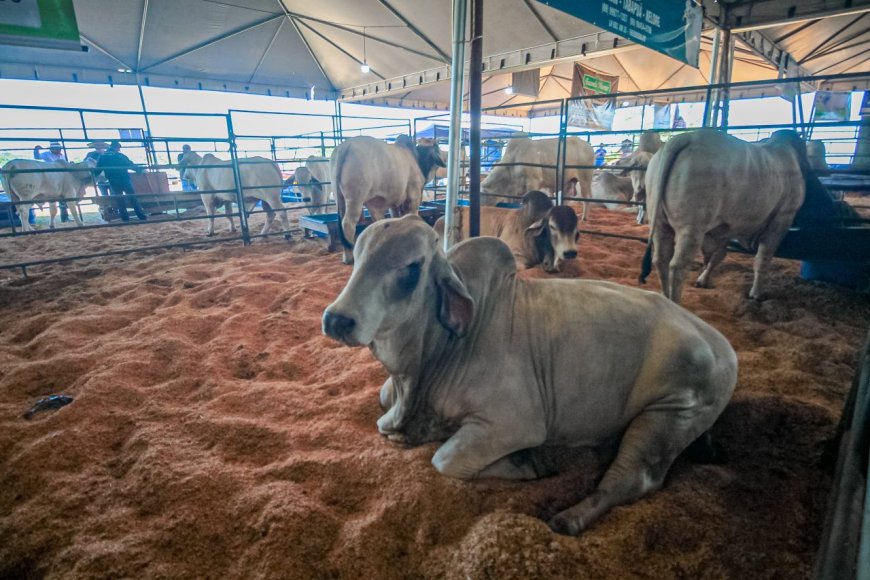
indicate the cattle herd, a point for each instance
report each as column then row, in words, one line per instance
column 498, row 366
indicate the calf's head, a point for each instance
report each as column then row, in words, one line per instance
column 429, row 157
column 401, row 280
column 639, row 160
column 556, row 237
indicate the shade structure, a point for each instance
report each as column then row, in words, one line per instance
column 289, row 47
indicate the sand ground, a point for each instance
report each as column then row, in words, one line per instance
column 216, row 433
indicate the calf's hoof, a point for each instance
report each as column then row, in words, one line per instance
column 565, row 525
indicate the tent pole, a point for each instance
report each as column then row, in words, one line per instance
column 714, row 70
column 149, row 153
column 725, row 74
column 474, row 97
column 457, row 70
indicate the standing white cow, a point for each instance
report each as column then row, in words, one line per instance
column 370, row 173
column 313, row 181
column 510, row 177
column 31, row 180
column 501, row 367
column 705, row 188
column 261, row 180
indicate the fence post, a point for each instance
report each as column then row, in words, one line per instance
column 237, row 177
column 561, row 151
column 84, row 128
column 322, row 145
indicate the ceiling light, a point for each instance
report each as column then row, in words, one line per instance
column 365, row 68
column 509, row 91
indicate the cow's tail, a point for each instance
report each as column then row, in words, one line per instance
column 655, row 194
column 335, row 167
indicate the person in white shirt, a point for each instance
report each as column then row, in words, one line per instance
column 54, row 153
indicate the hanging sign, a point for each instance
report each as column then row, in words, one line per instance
column 672, row 27
column 39, row 23
column 592, row 112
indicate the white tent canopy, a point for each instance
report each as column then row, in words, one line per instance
column 286, row 47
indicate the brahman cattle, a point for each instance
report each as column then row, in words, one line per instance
column 538, row 233
column 705, row 188
column 440, row 172
column 370, row 173
column 31, row 180
column 313, row 181
column 626, row 184
column 260, row 178
column 500, row 366
column 510, row 177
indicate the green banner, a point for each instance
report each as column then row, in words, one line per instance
column 39, row 23
column 672, row 27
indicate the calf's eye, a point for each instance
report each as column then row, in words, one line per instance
column 407, row 280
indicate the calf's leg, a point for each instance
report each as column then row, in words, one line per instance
column 663, row 251
column 52, row 210
column 688, row 244
column 353, row 210
column 768, row 242
column 714, row 251
column 650, row 445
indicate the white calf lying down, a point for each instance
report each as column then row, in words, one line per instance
column 538, row 233
column 40, row 180
column 261, row 180
column 499, row 366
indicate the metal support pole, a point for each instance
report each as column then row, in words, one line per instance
column 727, row 62
column 237, row 177
column 457, row 74
column 322, row 145
column 712, row 94
column 474, row 98
column 84, row 128
column 561, row 152
column 340, row 123
column 149, row 153
column 800, row 103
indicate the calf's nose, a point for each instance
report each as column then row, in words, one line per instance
column 570, row 254
column 337, row 326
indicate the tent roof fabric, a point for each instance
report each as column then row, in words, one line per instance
column 286, row 47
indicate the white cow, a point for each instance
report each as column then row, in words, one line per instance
column 41, row 180
column 261, row 180
column 370, row 173
column 313, row 181
column 705, row 188
column 510, row 177
column 501, row 367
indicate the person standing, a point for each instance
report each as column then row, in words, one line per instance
column 99, row 148
column 116, row 167
column 54, row 153
column 186, row 184
column 600, row 156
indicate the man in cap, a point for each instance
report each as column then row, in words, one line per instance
column 116, row 166
column 186, row 185
column 54, row 153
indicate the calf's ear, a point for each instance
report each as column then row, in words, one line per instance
column 455, row 304
column 537, row 228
